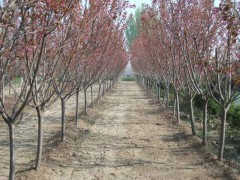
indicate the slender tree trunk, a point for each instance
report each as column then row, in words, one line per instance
column 147, row 86
column 174, row 107
column 40, row 138
column 63, row 119
column 2, row 89
column 103, row 89
column 158, row 92
column 85, row 101
column 155, row 89
column 15, row 86
column 167, row 95
column 223, row 133
column 9, row 90
column 192, row 116
column 91, row 96
column 12, row 151
column 150, row 87
column 77, row 106
column 205, row 117
column 177, row 106
column 99, row 92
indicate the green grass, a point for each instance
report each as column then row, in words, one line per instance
column 128, row 79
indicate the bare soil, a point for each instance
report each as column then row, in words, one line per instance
column 26, row 133
column 127, row 136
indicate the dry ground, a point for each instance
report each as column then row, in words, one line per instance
column 26, row 134
column 128, row 136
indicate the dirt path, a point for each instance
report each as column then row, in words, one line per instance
column 128, row 137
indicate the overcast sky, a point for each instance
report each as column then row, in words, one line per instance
column 140, row 2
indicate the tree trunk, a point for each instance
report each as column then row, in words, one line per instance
column 85, row 101
column 77, row 106
column 205, row 117
column 192, row 116
column 99, row 93
column 167, row 95
column 177, row 106
column 40, row 137
column 174, row 107
column 158, row 92
column 223, row 133
column 147, row 85
column 2, row 89
column 91, row 97
column 9, row 90
column 12, row 151
column 152, row 88
column 103, row 89
column 63, row 119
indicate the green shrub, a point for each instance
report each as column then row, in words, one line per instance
column 214, row 108
column 198, row 101
column 233, row 116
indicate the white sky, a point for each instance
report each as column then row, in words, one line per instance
column 140, row 2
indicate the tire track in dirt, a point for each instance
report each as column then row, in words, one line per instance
column 132, row 138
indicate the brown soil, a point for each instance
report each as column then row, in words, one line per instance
column 26, row 133
column 127, row 136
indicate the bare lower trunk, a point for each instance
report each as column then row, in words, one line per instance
column 2, row 89
column 167, row 95
column 9, row 89
column 40, row 138
column 152, row 88
column 77, row 106
column 158, row 92
column 192, row 117
column 177, row 106
column 174, row 107
column 91, row 96
column 223, row 133
column 99, row 92
column 205, row 117
column 147, row 86
column 85, row 101
column 103, row 89
column 63, row 119
column 12, row 151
